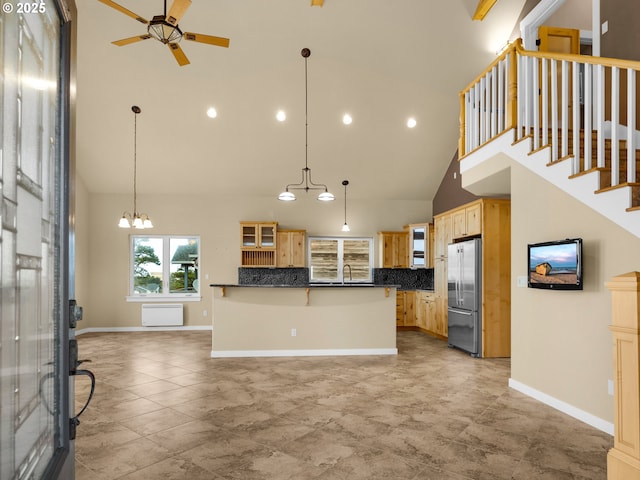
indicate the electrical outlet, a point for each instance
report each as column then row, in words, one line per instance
column 610, row 387
column 204, row 313
column 605, row 27
column 294, row 332
column 522, row 281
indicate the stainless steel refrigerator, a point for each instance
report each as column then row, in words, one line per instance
column 464, row 275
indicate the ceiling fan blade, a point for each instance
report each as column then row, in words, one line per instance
column 177, row 10
column 181, row 58
column 128, row 12
column 127, row 41
column 210, row 39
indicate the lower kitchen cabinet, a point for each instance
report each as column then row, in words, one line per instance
column 425, row 310
column 405, row 308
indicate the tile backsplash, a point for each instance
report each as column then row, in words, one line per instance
column 407, row 279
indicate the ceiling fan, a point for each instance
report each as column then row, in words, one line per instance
column 165, row 29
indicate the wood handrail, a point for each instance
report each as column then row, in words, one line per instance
column 571, row 57
column 511, row 48
column 516, row 46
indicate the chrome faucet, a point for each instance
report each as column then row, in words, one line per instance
column 350, row 275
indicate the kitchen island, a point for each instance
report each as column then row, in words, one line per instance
column 309, row 320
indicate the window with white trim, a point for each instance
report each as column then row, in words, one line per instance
column 340, row 259
column 164, row 266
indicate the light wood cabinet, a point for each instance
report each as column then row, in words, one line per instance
column 290, row 248
column 258, row 241
column 405, row 308
column 394, row 249
column 467, row 221
column 443, row 226
column 420, row 245
column 425, row 310
column 491, row 220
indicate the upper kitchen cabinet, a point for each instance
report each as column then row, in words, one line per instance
column 420, row 245
column 290, row 250
column 258, row 241
column 394, row 249
column 467, row 221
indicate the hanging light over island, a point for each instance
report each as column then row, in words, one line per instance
column 306, row 183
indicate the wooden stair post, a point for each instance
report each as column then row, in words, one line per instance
column 623, row 460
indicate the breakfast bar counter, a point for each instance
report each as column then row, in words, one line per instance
column 303, row 320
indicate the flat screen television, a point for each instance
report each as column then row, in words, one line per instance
column 555, row 265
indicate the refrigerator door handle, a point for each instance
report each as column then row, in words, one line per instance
column 461, row 276
column 459, row 282
column 461, row 312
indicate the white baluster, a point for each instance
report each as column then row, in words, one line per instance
column 615, row 121
column 565, row 109
column 494, row 101
column 576, row 117
column 534, row 102
column 599, row 107
column 588, row 125
column 554, row 110
column 545, row 102
column 631, row 125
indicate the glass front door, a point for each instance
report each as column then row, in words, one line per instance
column 34, row 268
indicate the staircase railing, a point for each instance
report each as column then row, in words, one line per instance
column 579, row 106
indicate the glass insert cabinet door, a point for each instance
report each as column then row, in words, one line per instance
column 418, row 246
column 258, row 235
column 34, row 242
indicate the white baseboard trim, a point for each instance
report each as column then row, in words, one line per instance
column 140, row 329
column 302, row 353
column 564, row 407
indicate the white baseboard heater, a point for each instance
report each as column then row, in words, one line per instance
column 162, row 314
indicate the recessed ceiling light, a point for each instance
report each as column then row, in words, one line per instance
column 411, row 122
column 281, row 116
column 346, row 119
column 211, row 112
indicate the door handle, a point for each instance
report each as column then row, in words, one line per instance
column 74, row 363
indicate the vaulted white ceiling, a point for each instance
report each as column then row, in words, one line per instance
column 380, row 61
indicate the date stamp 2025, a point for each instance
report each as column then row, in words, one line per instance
column 24, row 7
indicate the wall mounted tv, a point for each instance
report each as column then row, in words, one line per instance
column 555, row 265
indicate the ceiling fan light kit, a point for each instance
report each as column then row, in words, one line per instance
column 306, row 183
column 165, row 29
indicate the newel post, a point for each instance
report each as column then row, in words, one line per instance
column 623, row 460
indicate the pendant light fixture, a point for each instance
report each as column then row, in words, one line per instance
column 135, row 220
column 306, row 183
column 345, row 227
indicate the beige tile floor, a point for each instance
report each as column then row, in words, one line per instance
column 164, row 409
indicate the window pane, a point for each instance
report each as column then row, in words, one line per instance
column 184, row 264
column 147, row 265
column 356, row 255
column 324, row 260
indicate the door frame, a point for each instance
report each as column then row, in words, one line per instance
column 529, row 24
column 62, row 465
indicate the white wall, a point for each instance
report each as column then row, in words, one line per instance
column 216, row 220
column 82, row 254
column 561, row 345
